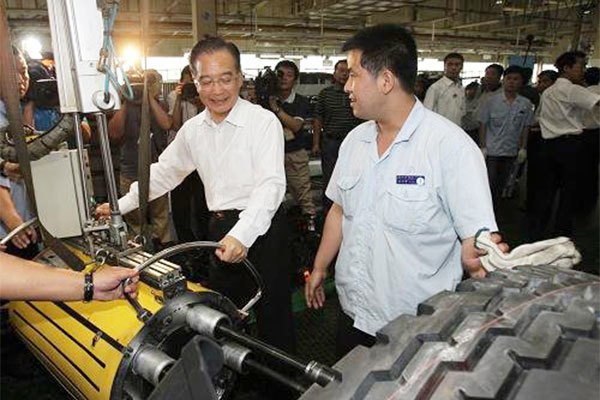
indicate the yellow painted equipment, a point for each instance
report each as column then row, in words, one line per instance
column 86, row 345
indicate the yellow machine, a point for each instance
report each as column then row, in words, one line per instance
column 88, row 346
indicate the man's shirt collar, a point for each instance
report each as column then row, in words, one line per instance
column 234, row 117
column 291, row 97
column 408, row 128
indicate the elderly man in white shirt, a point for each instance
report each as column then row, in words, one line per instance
column 562, row 109
column 410, row 191
column 447, row 96
column 236, row 148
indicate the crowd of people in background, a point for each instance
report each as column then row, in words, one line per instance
column 413, row 172
column 554, row 130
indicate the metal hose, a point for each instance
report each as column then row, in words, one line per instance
column 183, row 247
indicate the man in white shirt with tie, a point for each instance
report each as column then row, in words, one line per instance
column 236, row 147
column 447, row 96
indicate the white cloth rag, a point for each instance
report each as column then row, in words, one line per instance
column 559, row 251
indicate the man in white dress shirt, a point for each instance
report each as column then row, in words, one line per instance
column 447, row 96
column 236, row 148
column 562, row 110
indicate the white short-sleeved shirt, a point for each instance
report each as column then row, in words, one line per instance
column 504, row 123
column 591, row 119
column 404, row 215
column 447, row 98
column 562, row 108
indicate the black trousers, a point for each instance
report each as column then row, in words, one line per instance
column 330, row 148
column 588, row 171
column 559, row 160
column 270, row 256
column 188, row 199
column 498, row 171
column 348, row 337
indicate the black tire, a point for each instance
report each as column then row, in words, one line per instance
column 530, row 333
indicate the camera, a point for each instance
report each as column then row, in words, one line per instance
column 189, row 92
column 43, row 88
column 136, row 81
column 266, row 85
column 44, row 93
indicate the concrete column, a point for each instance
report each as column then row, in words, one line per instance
column 204, row 18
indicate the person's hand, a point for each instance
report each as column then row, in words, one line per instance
column 103, row 211
column 107, row 283
column 470, row 255
column 23, row 238
column 521, row 156
column 13, row 171
column 273, row 103
column 179, row 89
column 233, row 250
column 483, row 151
column 313, row 290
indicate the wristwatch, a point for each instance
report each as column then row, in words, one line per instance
column 88, row 287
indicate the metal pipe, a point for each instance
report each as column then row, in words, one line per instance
column 82, row 171
column 255, row 366
column 109, row 173
column 314, row 371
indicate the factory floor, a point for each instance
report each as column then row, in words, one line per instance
column 23, row 378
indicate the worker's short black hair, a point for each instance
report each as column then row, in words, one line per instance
column 550, row 74
column 289, row 64
column 454, row 55
column 592, row 76
column 568, row 59
column 387, row 46
column 340, row 62
column 497, row 67
column 514, row 69
column 211, row 44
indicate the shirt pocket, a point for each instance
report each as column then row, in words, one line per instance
column 349, row 193
column 497, row 120
column 404, row 205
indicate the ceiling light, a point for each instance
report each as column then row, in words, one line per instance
column 32, row 47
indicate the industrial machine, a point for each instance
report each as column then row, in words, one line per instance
column 177, row 339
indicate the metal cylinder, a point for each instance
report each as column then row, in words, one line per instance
column 320, row 373
column 235, row 355
column 82, row 169
column 152, row 364
column 205, row 320
column 107, row 162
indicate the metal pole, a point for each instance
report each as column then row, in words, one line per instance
column 82, row 171
column 313, row 371
column 109, row 173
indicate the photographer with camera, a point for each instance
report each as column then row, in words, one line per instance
column 14, row 206
column 43, row 96
column 124, row 127
column 292, row 109
column 188, row 198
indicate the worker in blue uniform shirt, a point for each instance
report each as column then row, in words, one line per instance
column 410, row 192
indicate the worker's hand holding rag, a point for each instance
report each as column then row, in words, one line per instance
column 559, row 251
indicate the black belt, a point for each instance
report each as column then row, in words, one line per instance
column 222, row 214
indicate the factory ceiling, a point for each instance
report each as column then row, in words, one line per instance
column 480, row 29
